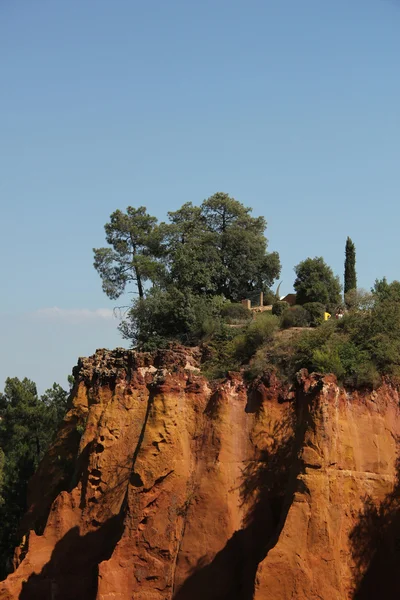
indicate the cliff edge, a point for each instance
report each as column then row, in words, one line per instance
column 161, row 486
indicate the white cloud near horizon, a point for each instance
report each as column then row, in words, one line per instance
column 75, row 314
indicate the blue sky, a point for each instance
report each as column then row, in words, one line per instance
column 291, row 107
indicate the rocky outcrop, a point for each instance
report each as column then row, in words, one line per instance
column 161, row 486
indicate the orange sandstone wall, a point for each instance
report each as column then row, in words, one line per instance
column 160, row 487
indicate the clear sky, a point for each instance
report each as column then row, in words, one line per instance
column 290, row 106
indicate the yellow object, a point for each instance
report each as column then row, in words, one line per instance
column 327, row 316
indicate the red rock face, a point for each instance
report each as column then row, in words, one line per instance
column 160, row 487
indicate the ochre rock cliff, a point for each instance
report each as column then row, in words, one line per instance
column 160, row 486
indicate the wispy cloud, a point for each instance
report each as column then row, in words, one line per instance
column 75, row 314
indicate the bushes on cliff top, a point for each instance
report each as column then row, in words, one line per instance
column 231, row 351
column 295, row 316
column 315, row 313
column 358, row 349
column 166, row 315
column 235, row 313
column 279, row 307
column 260, row 331
column 327, row 350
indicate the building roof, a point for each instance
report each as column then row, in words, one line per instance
column 289, row 298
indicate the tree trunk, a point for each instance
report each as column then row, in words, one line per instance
column 137, row 272
column 139, row 283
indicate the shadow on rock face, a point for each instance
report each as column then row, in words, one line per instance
column 72, row 571
column 267, row 489
column 375, row 543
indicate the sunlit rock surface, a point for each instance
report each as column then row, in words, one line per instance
column 160, row 486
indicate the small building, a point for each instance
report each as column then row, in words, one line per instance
column 290, row 299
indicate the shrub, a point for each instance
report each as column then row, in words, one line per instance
column 165, row 315
column 269, row 297
column 260, row 331
column 366, row 376
column 316, row 313
column 328, row 349
column 309, row 342
column 234, row 312
column 359, row 370
column 279, row 307
column 327, row 360
column 358, row 349
column 219, row 358
column 295, row 316
column 276, row 355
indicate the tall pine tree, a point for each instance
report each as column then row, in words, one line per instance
column 350, row 277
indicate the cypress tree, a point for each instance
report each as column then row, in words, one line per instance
column 350, row 277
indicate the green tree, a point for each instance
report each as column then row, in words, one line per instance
column 216, row 250
column 27, row 425
column 241, row 247
column 133, row 256
column 350, row 277
column 315, row 282
column 2, row 462
column 171, row 315
column 190, row 253
column 55, row 399
column 383, row 290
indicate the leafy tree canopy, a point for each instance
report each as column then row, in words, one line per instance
column 315, row 282
column 135, row 247
column 383, row 290
column 219, row 249
column 27, row 424
column 166, row 315
column 216, row 250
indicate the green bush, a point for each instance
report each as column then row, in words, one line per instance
column 366, row 376
column 316, row 313
column 277, row 355
column 327, row 360
column 358, row 349
column 329, row 349
column 269, row 297
column 295, row 316
column 166, row 315
column 219, row 358
column 279, row 307
column 260, row 331
column 234, row 313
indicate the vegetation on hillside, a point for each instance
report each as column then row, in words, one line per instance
column 27, row 425
column 189, row 276
column 359, row 348
column 191, row 273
